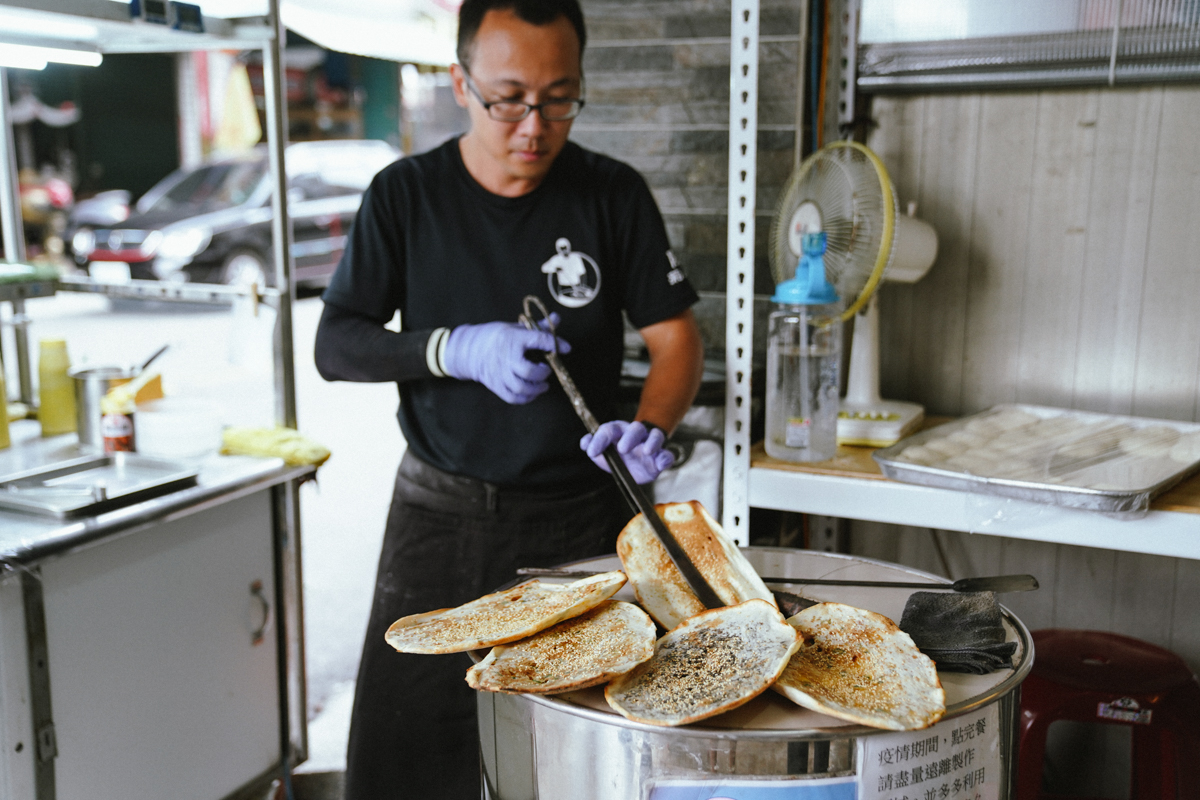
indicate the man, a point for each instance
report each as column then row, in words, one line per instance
column 495, row 476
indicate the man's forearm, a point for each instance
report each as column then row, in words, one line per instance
column 351, row 347
column 676, row 366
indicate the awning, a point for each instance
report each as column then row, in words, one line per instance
column 419, row 31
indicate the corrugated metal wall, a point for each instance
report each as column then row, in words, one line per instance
column 1068, row 275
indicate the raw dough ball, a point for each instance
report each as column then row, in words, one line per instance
column 1092, row 442
column 1008, row 441
column 983, row 426
column 1187, row 449
column 1001, row 450
column 1150, row 442
column 972, row 463
column 946, row 447
column 1012, row 418
column 1017, row 443
column 1017, row 469
column 919, row 455
column 971, row 440
column 1063, row 427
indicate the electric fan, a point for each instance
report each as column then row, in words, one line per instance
column 844, row 190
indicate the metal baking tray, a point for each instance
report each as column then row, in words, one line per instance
column 1082, row 479
column 93, row 484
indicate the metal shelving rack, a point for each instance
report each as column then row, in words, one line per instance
column 104, row 26
column 739, row 280
column 1160, row 532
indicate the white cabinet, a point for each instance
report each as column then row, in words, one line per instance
column 162, row 658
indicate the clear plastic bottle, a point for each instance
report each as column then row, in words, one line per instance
column 803, row 362
column 56, row 390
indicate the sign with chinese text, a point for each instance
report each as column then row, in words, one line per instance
column 958, row 759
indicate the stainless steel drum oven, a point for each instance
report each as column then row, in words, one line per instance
column 573, row 747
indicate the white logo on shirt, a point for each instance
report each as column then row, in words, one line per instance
column 574, row 278
column 676, row 274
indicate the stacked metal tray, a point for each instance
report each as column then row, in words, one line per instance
column 1079, row 459
column 92, row 484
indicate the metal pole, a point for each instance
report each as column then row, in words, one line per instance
column 191, row 145
column 41, row 708
column 1112, row 61
column 13, row 230
column 739, row 281
column 801, row 76
column 281, row 227
column 287, row 498
column 10, row 205
column 847, row 66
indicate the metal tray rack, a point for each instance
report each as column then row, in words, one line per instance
column 92, row 484
column 1053, row 472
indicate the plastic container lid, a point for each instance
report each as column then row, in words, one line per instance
column 810, row 286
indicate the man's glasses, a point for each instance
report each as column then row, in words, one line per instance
column 513, row 111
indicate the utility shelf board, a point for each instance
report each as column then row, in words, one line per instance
column 851, row 486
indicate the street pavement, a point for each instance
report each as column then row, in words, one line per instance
column 221, row 358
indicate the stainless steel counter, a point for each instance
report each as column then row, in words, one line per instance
column 27, row 538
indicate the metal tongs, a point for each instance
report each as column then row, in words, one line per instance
column 637, row 499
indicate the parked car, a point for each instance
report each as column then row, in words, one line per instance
column 212, row 224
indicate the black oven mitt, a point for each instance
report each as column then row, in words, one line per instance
column 961, row 631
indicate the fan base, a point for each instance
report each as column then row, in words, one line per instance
column 880, row 424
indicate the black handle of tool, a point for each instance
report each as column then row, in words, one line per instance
column 1012, row 583
column 995, row 583
column 637, row 498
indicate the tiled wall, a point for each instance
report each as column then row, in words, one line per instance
column 658, row 98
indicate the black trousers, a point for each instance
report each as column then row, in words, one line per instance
column 449, row 540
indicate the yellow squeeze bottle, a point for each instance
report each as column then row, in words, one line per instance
column 4, row 440
column 56, row 390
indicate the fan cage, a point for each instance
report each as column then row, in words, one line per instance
column 859, row 225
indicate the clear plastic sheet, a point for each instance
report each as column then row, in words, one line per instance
column 1079, row 459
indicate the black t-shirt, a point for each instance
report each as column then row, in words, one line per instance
column 433, row 243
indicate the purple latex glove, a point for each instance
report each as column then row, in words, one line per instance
column 641, row 449
column 494, row 354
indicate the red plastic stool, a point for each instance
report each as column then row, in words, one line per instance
column 1097, row 677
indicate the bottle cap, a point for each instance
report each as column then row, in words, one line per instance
column 52, row 343
column 810, row 286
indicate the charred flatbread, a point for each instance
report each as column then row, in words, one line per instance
column 583, row 651
column 501, row 617
column 713, row 662
column 859, row 666
column 659, row 586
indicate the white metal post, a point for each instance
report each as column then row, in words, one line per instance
column 292, row 681
column 191, row 143
column 13, row 229
column 739, row 281
column 274, row 83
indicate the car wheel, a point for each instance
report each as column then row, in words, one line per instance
column 245, row 267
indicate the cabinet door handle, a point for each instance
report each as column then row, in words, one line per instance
column 259, row 635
